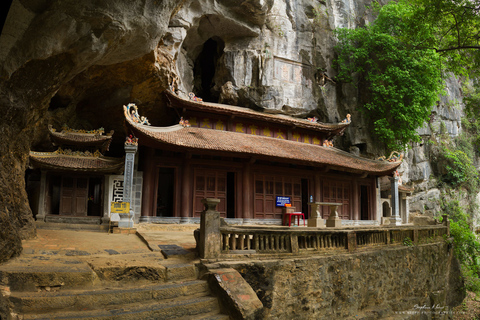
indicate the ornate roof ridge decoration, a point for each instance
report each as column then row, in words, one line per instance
column 84, row 138
column 71, row 153
column 131, row 111
column 177, row 101
column 268, row 148
column 77, row 153
column 393, row 157
column 67, row 129
column 131, row 141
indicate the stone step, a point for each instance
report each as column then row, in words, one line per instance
column 137, row 272
column 36, row 274
column 214, row 315
column 79, row 224
column 195, row 305
column 177, row 270
column 29, row 302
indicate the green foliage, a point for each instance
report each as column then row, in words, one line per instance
column 471, row 92
column 472, row 281
column 454, row 31
column 407, row 242
column 466, row 245
column 458, row 169
column 400, row 83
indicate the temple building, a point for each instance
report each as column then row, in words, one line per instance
column 251, row 161
column 73, row 183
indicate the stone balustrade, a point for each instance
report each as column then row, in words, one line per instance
column 261, row 240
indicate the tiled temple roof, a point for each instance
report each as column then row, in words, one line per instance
column 238, row 144
column 93, row 138
column 65, row 162
column 332, row 129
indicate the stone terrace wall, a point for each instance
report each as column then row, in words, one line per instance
column 378, row 283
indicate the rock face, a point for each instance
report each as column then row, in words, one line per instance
column 44, row 45
column 76, row 62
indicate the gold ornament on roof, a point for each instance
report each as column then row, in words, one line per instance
column 131, row 140
column 394, row 157
column 348, row 119
column 133, row 113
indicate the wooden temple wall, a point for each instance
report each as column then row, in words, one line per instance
column 255, row 188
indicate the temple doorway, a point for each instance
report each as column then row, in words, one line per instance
column 165, row 194
column 205, row 68
column 364, row 202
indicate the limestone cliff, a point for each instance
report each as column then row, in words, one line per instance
column 77, row 62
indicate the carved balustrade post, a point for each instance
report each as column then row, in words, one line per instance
column 351, row 241
column 210, row 237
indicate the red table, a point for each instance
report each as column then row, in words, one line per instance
column 294, row 214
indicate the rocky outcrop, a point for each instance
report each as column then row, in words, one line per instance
column 44, row 45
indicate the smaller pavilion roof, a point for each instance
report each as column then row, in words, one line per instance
column 66, row 160
column 238, row 144
column 401, row 188
column 331, row 129
column 81, row 138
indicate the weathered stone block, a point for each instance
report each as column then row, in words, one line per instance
column 237, row 296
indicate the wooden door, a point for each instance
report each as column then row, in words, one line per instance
column 74, row 193
column 268, row 187
column 339, row 192
column 210, row 184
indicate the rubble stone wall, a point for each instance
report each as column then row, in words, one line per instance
column 381, row 283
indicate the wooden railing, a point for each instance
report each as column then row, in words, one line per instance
column 229, row 241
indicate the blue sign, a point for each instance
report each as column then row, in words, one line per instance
column 282, row 201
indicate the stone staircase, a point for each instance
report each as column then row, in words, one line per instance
column 147, row 287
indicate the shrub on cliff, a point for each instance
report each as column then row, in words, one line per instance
column 466, row 245
column 458, row 170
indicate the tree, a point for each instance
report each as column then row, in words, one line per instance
column 398, row 61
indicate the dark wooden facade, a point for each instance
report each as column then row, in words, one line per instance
column 247, row 190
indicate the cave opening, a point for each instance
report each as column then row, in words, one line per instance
column 59, row 102
column 205, row 68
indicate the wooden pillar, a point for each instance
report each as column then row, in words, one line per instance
column 247, row 192
column 238, row 196
column 374, row 198
column 317, row 188
column 148, row 194
column 186, row 187
column 355, row 201
column 41, row 213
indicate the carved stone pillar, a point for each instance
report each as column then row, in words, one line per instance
column 126, row 219
column 395, row 218
column 334, row 220
column 316, row 220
